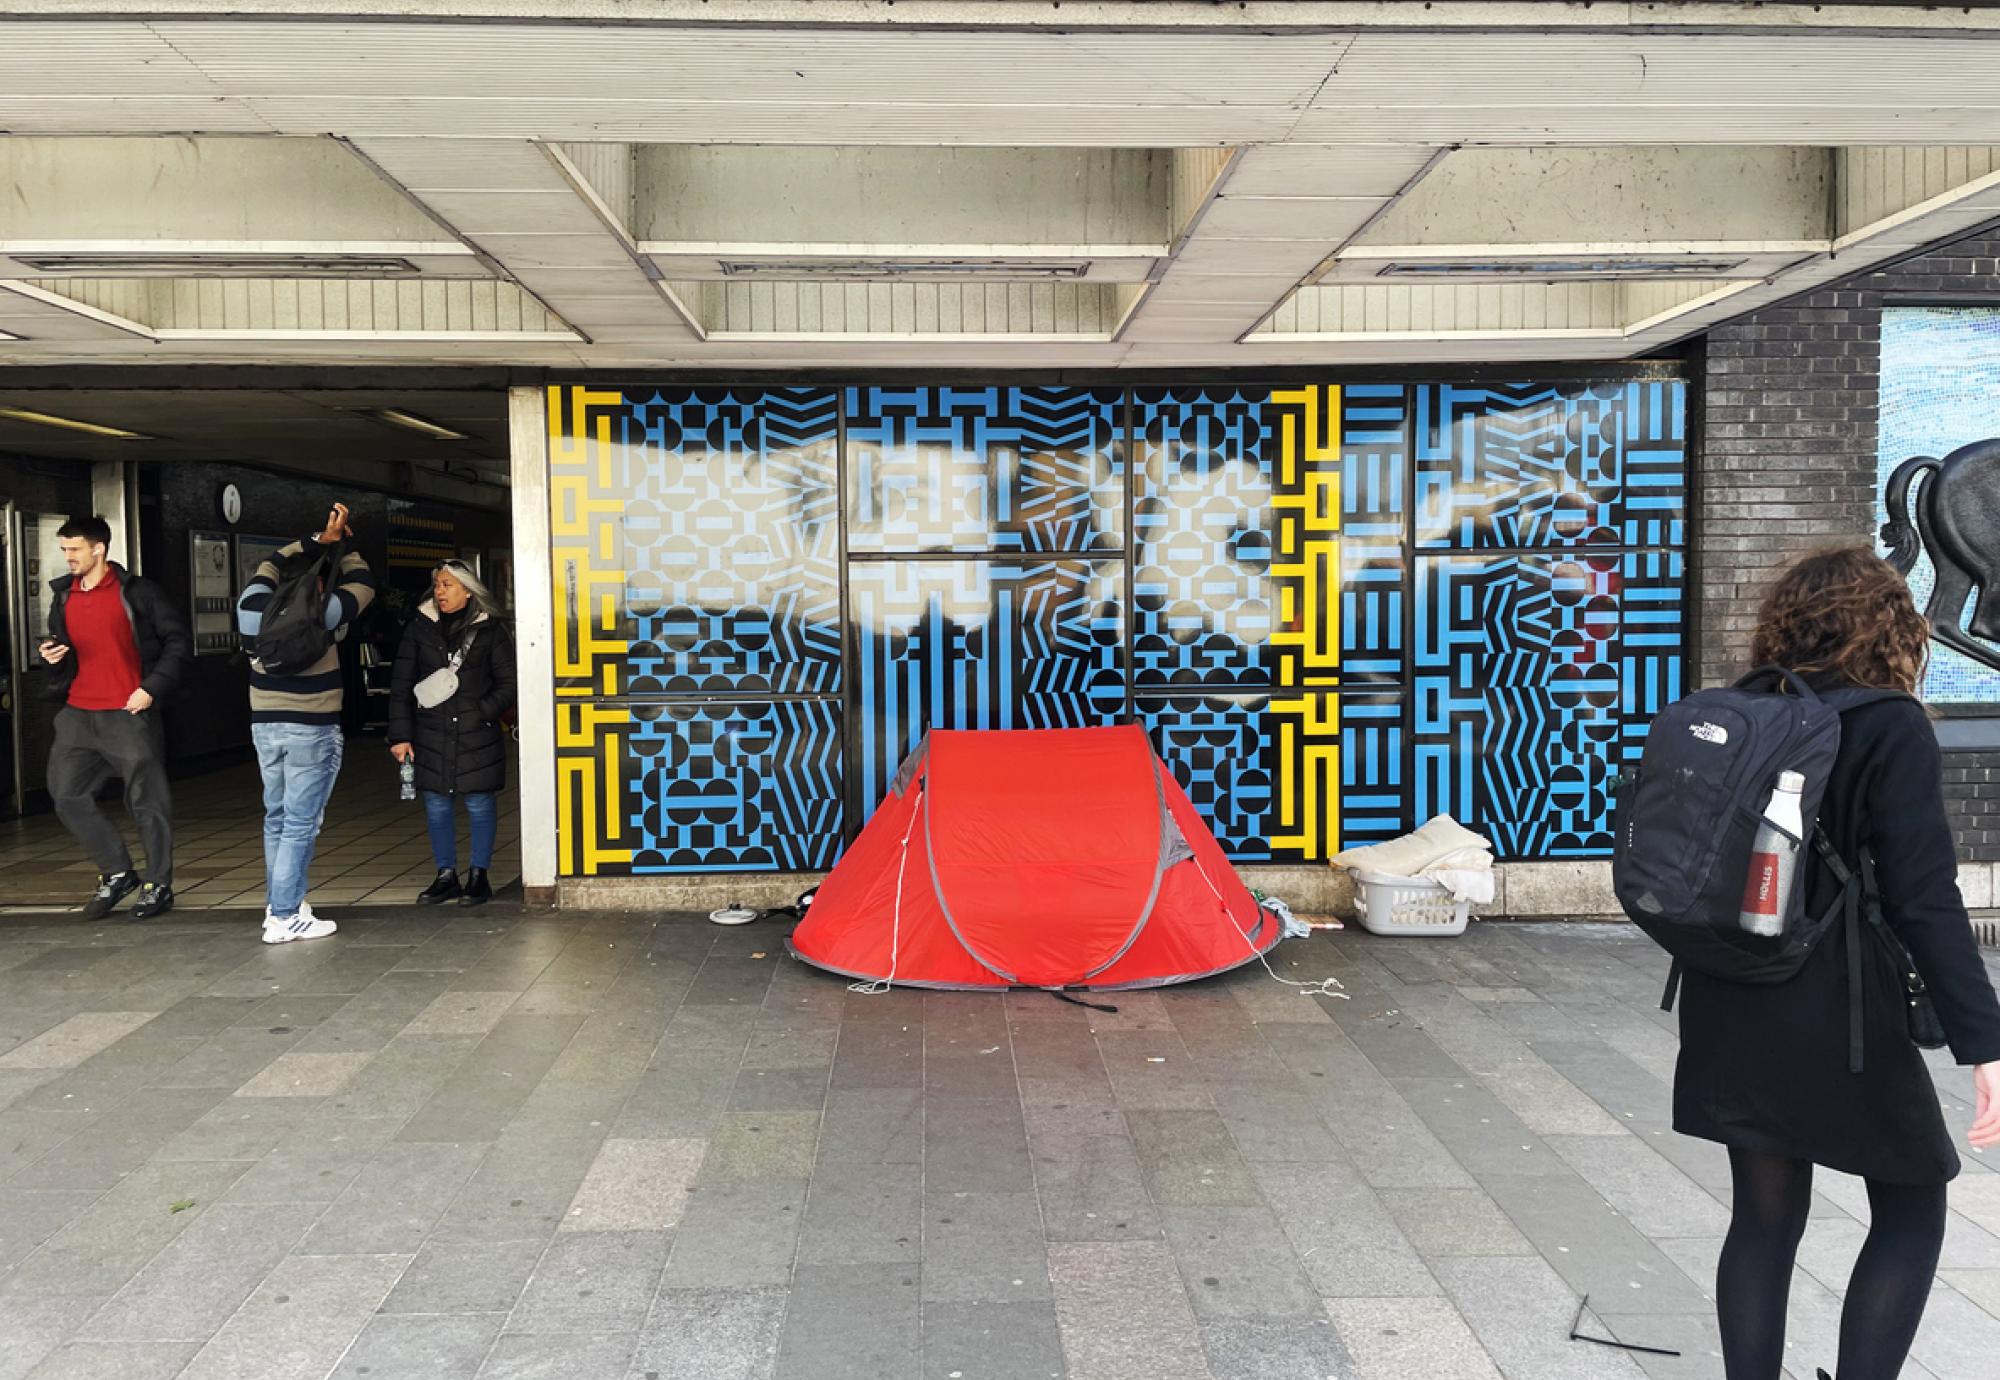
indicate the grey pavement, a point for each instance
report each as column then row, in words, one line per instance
column 501, row 1144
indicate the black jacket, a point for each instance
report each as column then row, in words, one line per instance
column 1765, row 1068
column 461, row 746
column 166, row 649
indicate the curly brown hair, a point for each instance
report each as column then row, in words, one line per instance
column 1844, row 612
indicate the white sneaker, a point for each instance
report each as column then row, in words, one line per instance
column 305, row 925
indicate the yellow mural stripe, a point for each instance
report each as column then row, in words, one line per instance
column 1305, row 569
column 586, row 509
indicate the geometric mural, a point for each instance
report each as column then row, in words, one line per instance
column 985, row 469
column 1531, row 691
column 1531, row 466
column 981, row 644
column 1201, row 586
column 1337, row 608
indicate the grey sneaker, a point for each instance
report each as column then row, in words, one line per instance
column 112, row 887
column 154, row 899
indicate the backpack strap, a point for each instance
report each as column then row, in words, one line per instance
column 1847, row 701
column 1852, row 888
column 1858, row 892
column 1777, row 677
column 1673, row 987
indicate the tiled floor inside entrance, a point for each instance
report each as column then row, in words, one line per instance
column 495, row 1144
column 372, row 849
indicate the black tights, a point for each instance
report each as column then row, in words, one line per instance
column 1885, row 1294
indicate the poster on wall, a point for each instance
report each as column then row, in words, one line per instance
column 41, row 562
column 214, row 593
column 1938, row 487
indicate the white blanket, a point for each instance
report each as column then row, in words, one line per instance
column 1443, row 842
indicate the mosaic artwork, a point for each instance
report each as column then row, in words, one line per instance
column 1940, row 391
column 1336, row 608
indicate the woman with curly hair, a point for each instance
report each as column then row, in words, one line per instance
column 1764, row 1070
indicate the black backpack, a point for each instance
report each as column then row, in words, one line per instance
column 1686, row 819
column 293, row 635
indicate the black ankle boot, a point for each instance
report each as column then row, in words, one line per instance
column 443, row 889
column 478, row 891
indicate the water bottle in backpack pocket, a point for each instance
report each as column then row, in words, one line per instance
column 1773, row 872
column 1713, row 827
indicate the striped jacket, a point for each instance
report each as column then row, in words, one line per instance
column 313, row 696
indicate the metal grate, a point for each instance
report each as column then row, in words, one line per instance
column 1987, row 932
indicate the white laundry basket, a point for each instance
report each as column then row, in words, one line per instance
column 1408, row 905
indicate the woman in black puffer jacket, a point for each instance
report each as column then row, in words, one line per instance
column 458, row 743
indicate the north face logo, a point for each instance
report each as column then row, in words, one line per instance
column 1710, row 733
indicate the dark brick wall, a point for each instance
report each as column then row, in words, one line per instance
column 1972, row 794
column 1787, row 462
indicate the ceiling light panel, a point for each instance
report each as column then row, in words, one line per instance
column 933, row 270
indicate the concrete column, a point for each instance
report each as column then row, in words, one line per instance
column 534, row 639
column 112, row 498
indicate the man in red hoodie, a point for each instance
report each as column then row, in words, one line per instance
column 117, row 646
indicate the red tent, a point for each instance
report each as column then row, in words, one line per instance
column 1037, row 858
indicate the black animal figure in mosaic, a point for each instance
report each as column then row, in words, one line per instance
column 1957, row 524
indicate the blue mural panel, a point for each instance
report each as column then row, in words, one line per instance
column 746, row 787
column 1534, row 678
column 722, row 514
column 1218, row 746
column 981, row 644
column 986, row 469
column 1374, row 484
column 1202, row 601
column 1374, row 793
column 1503, row 562
column 1527, row 465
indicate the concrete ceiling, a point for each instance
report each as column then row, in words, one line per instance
column 965, row 185
column 326, row 433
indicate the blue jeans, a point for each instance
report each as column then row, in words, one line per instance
column 481, row 807
column 299, row 762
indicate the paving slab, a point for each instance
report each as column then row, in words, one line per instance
column 717, row 1334
column 1123, row 1312
column 852, row 1322
column 593, row 1281
column 1400, row 1338
column 448, row 1347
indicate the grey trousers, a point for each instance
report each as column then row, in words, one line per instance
column 94, row 745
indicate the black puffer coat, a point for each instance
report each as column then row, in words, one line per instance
column 461, row 746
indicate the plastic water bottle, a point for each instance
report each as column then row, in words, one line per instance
column 1774, row 859
column 409, row 775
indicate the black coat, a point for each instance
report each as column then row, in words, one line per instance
column 461, row 745
column 166, row 649
column 1765, row 1068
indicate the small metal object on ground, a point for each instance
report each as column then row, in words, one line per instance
column 1576, row 1335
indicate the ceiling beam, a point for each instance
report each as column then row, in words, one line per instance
column 528, row 209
